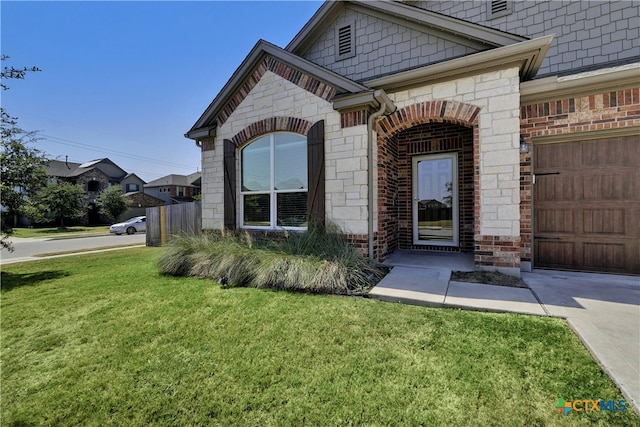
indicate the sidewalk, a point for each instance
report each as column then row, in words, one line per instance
column 431, row 286
column 423, row 278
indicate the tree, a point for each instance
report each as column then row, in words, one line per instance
column 448, row 198
column 58, row 202
column 13, row 73
column 112, row 202
column 21, row 166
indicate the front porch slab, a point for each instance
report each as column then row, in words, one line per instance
column 453, row 261
column 424, row 278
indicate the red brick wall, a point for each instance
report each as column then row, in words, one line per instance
column 497, row 251
column 360, row 242
column 273, row 124
column 208, row 145
column 353, row 118
column 395, row 183
column 600, row 111
column 388, row 221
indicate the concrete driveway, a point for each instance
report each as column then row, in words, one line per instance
column 604, row 311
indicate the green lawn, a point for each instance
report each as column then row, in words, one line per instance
column 103, row 339
column 55, row 232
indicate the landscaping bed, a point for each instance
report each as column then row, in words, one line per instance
column 316, row 261
column 488, row 278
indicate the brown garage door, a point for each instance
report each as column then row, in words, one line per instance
column 587, row 205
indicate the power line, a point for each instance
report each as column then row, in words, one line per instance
column 90, row 147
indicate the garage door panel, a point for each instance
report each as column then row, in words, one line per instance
column 555, row 156
column 604, row 256
column 555, row 188
column 613, row 186
column 631, row 156
column 604, row 221
column 555, row 254
column 587, row 205
column 603, row 187
column 556, row 220
column 594, row 154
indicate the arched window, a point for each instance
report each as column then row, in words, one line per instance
column 274, row 182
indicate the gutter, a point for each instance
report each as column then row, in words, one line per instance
column 598, row 81
column 386, row 107
column 199, row 134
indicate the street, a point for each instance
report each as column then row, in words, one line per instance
column 26, row 249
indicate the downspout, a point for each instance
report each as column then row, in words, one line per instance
column 386, row 105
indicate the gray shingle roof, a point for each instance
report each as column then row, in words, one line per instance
column 70, row 169
column 174, row 179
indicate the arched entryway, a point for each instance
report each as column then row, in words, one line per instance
column 426, row 178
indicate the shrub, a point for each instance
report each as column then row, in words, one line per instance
column 318, row 261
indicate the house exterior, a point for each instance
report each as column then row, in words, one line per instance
column 173, row 189
column 506, row 129
column 132, row 183
column 94, row 176
column 137, row 204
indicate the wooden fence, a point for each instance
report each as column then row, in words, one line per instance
column 164, row 222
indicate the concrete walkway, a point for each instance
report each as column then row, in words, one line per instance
column 424, row 278
column 602, row 309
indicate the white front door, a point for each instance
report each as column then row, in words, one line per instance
column 435, row 200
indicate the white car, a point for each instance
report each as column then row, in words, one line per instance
column 130, row 226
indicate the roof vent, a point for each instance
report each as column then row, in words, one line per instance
column 345, row 42
column 498, row 8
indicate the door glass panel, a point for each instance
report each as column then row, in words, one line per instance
column 434, row 199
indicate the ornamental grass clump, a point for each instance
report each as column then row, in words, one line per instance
column 317, row 261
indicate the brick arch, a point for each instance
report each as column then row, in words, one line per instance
column 394, row 168
column 440, row 111
column 273, row 124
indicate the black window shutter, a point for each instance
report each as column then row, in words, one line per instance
column 229, row 185
column 315, row 165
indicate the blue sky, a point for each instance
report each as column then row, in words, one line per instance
column 131, row 77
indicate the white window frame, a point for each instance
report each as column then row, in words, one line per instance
column 273, row 194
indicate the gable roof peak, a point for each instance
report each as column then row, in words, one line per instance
column 329, row 11
column 263, row 49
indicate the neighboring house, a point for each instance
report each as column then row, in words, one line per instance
column 138, row 202
column 174, row 188
column 94, row 176
column 132, row 183
column 522, row 116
